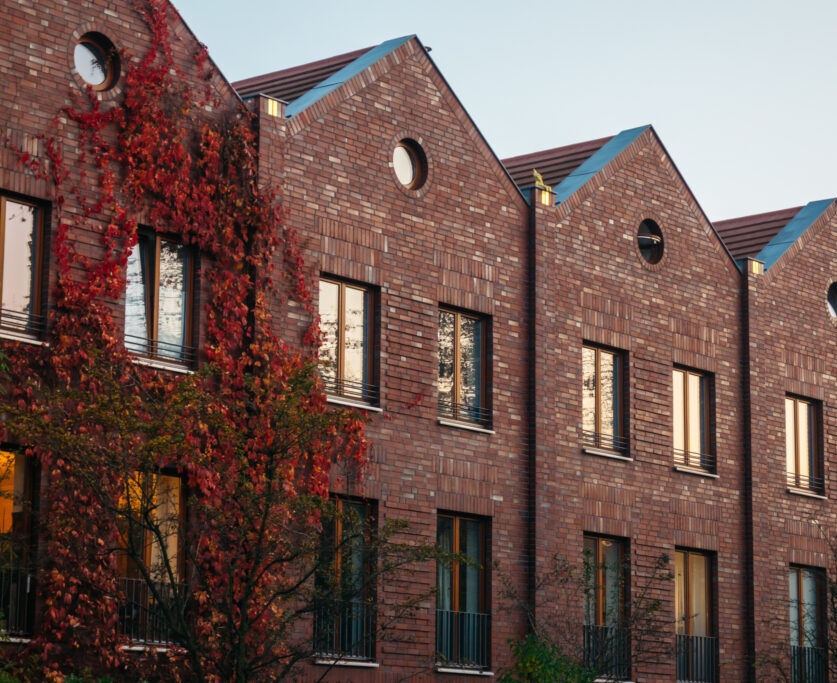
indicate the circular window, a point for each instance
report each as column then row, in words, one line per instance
column 409, row 164
column 649, row 239
column 96, row 61
column 832, row 300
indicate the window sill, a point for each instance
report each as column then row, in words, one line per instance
column 461, row 424
column 145, row 648
column 605, row 453
column 14, row 640
column 352, row 403
column 357, row 663
column 160, row 364
column 462, row 671
column 12, row 335
column 807, row 493
column 696, row 471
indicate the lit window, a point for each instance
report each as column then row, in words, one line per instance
column 344, row 618
column 158, row 299
column 602, row 399
column 22, row 258
column 606, row 642
column 462, row 366
column 462, row 622
column 690, row 418
column 807, row 624
column 697, row 648
column 346, row 355
column 802, row 451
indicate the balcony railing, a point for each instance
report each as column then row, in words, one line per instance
column 697, row 659
column 808, row 664
column 24, row 322
column 357, row 391
column 142, row 614
column 465, row 412
column 161, row 350
column 462, row 639
column 17, row 601
column 700, row 461
column 610, row 442
column 345, row 630
column 809, row 482
column 607, row 651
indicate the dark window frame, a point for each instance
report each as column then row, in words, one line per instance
column 481, row 414
column 369, row 391
column 618, row 443
column 37, row 318
column 152, row 301
column 795, row 479
column 686, row 457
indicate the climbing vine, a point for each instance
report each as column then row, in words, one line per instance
column 249, row 433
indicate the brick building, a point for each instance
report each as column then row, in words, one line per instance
column 583, row 365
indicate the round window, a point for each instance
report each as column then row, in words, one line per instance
column 831, row 301
column 409, row 164
column 649, row 239
column 96, row 61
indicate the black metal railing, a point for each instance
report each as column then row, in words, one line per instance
column 809, row 482
column 607, row 651
column 697, row 659
column 25, row 322
column 610, row 442
column 462, row 639
column 142, row 611
column 466, row 412
column 700, row 461
column 345, row 630
column 161, row 350
column 357, row 391
column 17, row 601
column 808, row 664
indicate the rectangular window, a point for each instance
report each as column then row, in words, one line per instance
column 347, row 354
column 344, row 619
column 693, row 445
column 602, row 402
column 807, row 624
column 802, row 444
column 18, row 483
column 22, row 258
column 462, row 367
column 150, row 566
column 462, row 621
column 697, row 648
column 606, row 641
column 158, row 299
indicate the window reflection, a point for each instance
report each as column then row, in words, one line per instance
column 22, row 234
column 461, row 366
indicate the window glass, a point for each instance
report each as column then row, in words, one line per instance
column 698, row 574
column 692, row 593
column 329, row 324
column 444, row 578
column 165, row 554
column 12, row 489
column 810, row 608
column 404, row 165
column 588, row 389
column 91, row 62
column 461, row 371
column 137, row 302
column 790, row 434
column 356, row 343
column 690, row 419
column 20, row 249
column 804, row 468
column 171, row 324
column 679, row 410
column 470, row 364
column 793, row 584
column 470, row 574
column 679, row 591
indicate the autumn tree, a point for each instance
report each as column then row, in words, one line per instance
column 190, row 506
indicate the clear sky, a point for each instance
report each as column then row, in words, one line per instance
column 743, row 93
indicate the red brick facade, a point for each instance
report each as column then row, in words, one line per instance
column 544, row 280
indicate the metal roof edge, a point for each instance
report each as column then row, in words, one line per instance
column 601, row 158
column 794, row 229
column 352, row 69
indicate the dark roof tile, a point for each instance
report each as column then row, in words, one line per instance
column 748, row 235
column 553, row 164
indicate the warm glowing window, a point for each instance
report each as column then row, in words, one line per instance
column 462, row 367
column 21, row 244
column 693, row 593
column 802, row 451
column 691, row 419
column 347, row 355
column 602, row 402
column 158, row 299
column 16, row 496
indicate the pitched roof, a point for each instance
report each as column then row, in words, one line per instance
column 308, row 85
column 553, row 164
column 792, row 231
column 748, row 235
column 289, row 84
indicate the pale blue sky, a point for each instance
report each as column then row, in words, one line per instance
column 742, row 93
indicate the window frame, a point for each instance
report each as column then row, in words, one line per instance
column 821, row 620
column 794, row 479
column 188, row 354
column 684, row 458
column 460, row 411
column 617, row 443
column 37, row 322
column 709, row 587
column 369, row 390
column 598, row 582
